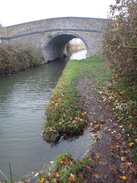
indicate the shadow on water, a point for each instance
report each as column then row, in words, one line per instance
column 68, row 139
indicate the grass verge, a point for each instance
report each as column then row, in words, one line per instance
column 68, row 170
column 64, row 116
column 63, row 108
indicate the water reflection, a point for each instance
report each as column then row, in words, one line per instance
column 79, row 55
column 60, row 139
column 23, row 98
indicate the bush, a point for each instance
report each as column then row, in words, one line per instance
column 14, row 58
column 120, row 49
column 120, row 40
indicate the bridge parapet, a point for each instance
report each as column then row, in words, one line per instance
column 39, row 33
column 56, row 23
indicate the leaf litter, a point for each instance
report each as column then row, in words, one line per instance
column 112, row 154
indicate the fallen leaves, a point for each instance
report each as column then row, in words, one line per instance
column 103, row 163
column 97, row 175
column 57, row 174
column 124, row 177
column 42, row 180
column 96, row 127
column 126, row 165
column 123, row 158
column 69, row 170
column 60, row 123
column 120, row 150
column 130, row 144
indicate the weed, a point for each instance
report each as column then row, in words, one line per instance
column 9, row 179
column 69, row 170
column 60, row 158
column 65, row 172
column 50, row 36
column 64, row 115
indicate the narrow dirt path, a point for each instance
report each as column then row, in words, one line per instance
column 111, row 156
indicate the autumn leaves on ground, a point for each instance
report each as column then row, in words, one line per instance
column 99, row 94
column 93, row 105
column 103, row 97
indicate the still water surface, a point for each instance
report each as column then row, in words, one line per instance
column 79, row 55
column 23, row 98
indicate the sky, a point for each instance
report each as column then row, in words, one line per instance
column 20, row 11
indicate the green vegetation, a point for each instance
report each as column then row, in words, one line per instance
column 5, row 176
column 50, row 36
column 117, row 86
column 9, row 179
column 59, row 159
column 120, row 41
column 14, row 58
column 64, row 114
column 69, row 170
column 120, row 48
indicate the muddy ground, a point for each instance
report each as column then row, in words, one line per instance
column 111, row 157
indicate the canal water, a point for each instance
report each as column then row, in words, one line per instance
column 79, row 55
column 23, row 99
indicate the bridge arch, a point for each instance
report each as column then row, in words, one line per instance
column 56, row 44
column 36, row 35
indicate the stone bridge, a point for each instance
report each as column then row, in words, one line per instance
column 50, row 36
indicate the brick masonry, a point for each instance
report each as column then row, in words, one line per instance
column 50, row 36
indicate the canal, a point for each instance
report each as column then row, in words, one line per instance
column 23, row 99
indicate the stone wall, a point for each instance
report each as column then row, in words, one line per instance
column 51, row 36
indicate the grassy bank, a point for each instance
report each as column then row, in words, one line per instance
column 68, row 170
column 14, row 58
column 64, row 116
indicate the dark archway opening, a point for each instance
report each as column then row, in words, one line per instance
column 55, row 47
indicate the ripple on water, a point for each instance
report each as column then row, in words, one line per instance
column 23, row 98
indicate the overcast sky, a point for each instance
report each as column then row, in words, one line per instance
column 20, row 11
